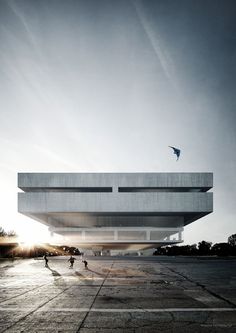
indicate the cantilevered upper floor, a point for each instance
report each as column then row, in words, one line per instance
column 75, row 202
column 115, row 195
column 115, row 182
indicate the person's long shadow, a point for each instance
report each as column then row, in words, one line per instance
column 79, row 274
column 98, row 273
column 58, row 279
column 84, row 278
column 54, row 273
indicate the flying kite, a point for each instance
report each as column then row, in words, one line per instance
column 176, row 152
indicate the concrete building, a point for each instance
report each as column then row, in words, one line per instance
column 116, row 210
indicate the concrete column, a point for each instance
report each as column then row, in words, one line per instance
column 50, row 229
column 180, row 235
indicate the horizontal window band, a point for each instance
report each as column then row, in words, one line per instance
column 120, row 189
column 161, row 189
column 67, row 189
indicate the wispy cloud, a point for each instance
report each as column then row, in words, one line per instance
column 20, row 16
column 156, row 43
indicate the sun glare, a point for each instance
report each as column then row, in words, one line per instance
column 36, row 235
column 28, row 242
column 30, row 238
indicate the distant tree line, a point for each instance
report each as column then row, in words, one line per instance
column 203, row 248
column 7, row 241
column 4, row 233
column 10, row 248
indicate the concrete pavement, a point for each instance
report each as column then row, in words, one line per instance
column 126, row 294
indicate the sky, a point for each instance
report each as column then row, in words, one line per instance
column 107, row 86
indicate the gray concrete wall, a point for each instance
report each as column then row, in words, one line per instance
column 116, row 203
column 27, row 181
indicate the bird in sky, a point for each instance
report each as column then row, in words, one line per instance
column 176, row 152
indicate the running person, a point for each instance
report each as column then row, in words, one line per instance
column 85, row 264
column 71, row 260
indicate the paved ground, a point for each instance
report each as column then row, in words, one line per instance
column 119, row 295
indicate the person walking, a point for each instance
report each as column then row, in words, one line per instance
column 85, row 264
column 46, row 260
column 71, row 260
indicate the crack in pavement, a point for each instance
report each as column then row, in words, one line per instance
column 203, row 287
column 86, row 315
column 34, row 310
column 25, row 292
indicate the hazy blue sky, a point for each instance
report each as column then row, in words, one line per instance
column 108, row 85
